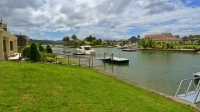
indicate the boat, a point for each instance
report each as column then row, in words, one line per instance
column 196, row 71
column 84, row 50
column 65, row 50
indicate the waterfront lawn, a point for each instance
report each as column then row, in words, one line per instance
column 50, row 87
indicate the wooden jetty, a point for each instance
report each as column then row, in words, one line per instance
column 113, row 59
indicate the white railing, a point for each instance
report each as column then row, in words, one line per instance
column 189, row 88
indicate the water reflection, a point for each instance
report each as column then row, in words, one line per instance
column 161, row 71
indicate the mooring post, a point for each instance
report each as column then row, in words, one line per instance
column 79, row 61
column 112, row 57
column 104, row 54
column 92, row 62
column 68, row 59
column 89, row 62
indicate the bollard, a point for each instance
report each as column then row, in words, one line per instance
column 68, row 59
column 92, row 62
column 112, row 56
column 104, row 54
column 89, row 62
column 79, row 61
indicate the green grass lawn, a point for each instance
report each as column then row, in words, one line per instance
column 50, row 87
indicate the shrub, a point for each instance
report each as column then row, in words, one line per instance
column 48, row 49
column 34, row 53
column 25, row 52
column 49, row 59
column 41, row 49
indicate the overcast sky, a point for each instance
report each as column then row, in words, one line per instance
column 105, row 19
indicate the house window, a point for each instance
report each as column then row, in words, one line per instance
column 11, row 45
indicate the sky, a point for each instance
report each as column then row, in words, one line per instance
column 103, row 19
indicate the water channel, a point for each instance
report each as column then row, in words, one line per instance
column 160, row 71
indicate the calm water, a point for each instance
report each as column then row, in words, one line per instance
column 161, row 71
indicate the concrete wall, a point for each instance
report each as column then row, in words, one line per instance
column 7, row 38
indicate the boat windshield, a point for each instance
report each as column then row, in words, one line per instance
column 87, row 48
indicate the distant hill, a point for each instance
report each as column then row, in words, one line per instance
column 133, row 38
column 45, row 42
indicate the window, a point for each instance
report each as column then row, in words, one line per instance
column 11, row 45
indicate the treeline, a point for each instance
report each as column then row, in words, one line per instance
column 191, row 36
column 45, row 42
column 90, row 40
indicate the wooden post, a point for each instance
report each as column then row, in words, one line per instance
column 89, row 62
column 104, row 54
column 92, row 62
column 43, row 56
column 68, row 59
column 112, row 56
column 56, row 58
column 79, row 61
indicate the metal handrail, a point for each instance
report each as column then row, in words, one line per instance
column 196, row 88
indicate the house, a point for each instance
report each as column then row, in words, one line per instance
column 110, row 42
column 22, row 40
column 8, row 43
column 164, row 38
column 124, row 42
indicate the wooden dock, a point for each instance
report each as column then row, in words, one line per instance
column 113, row 59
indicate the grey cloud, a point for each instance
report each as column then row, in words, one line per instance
column 18, row 12
column 21, row 4
column 156, row 7
column 113, row 6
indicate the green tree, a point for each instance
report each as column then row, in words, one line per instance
column 150, row 43
column 34, row 53
column 66, row 40
column 198, row 42
column 25, row 52
column 41, row 49
column 48, row 49
column 143, row 43
column 138, row 37
column 74, row 37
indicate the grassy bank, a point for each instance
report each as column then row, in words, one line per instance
column 48, row 87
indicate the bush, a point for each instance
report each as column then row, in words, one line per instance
column 34, row 53
column 25, row 52
column 48, row 49
column 49, row 59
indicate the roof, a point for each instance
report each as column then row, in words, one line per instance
column 163, row 37
column 23, row 36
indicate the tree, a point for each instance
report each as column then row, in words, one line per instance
column 138, row 37
column 74, row 37
column 48, row 49
column 143, row 43
column 41, row 49
column 66, row 40
column 150, row 43
column 198, row 42
column 34, row 53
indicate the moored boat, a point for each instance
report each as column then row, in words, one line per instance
column 196, row 71
column 84, row 50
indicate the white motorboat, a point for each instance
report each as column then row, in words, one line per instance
column 84, row 50
column 196, row 71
